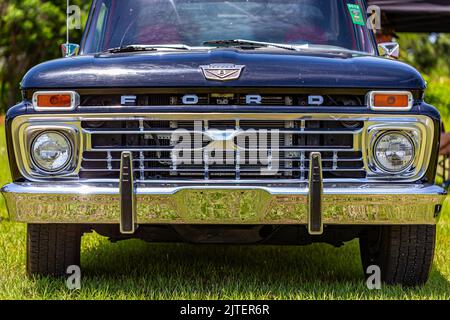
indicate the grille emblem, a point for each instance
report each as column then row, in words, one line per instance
column 222, row 72
column 222, row 140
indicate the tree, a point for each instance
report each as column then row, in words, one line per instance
column 30, row 32
column 428, row 53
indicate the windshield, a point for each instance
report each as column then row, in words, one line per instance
column 337, row 23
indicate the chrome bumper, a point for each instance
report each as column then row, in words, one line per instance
column 214, row 204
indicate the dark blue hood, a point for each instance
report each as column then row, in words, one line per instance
column 263, row 69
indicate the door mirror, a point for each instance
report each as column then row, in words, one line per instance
column 389, row 50
column 70, row 49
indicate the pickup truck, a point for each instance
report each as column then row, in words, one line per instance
column 247, row 122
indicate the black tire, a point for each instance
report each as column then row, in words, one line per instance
column 52, row 248
column 403, row 253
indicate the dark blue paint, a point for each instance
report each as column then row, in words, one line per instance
column 264, row 68
column 17, row 110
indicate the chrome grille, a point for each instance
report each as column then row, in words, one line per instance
column 153, row 144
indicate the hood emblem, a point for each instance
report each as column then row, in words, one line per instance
column 222, row 72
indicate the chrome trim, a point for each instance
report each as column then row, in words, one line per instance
column 222, row 71
column 343, row 204
column 29, row 132
column 133, row 195
column 318, row 157
column 371, row 101
column 70, row 49
column 389, row 49
column 422, row 136
column 38, row 168
column 376, row 141
column 75, row 100
column 419, row 123
column 215, row 134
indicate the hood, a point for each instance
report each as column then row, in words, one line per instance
column 262, row 69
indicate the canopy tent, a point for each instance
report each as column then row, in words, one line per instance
column 416, row 15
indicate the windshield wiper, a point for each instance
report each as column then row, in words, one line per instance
column 251, row 43
column 139, row 47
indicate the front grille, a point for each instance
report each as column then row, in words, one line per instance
column 253, row 150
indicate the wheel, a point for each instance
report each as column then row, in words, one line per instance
column 403, row 253
column 52, row 248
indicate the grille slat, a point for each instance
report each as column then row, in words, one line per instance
column 250, row 159
column 272, row 151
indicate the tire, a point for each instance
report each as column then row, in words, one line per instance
column 403, row 253
column 51, row 249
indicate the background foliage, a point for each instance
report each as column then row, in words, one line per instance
column 429, row 53
column 30, row 32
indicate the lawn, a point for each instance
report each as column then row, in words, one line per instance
column 137, row 270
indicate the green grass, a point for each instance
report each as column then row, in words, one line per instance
column 137, row 270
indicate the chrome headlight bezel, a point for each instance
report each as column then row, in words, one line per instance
column 417, row 133
column 31, row 132
column 377, row 161
column 36, row 162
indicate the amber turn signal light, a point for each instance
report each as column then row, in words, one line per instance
column 63, row 101
column 394, row 100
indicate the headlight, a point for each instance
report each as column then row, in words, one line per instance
column 394, row 152
column 51, row 151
